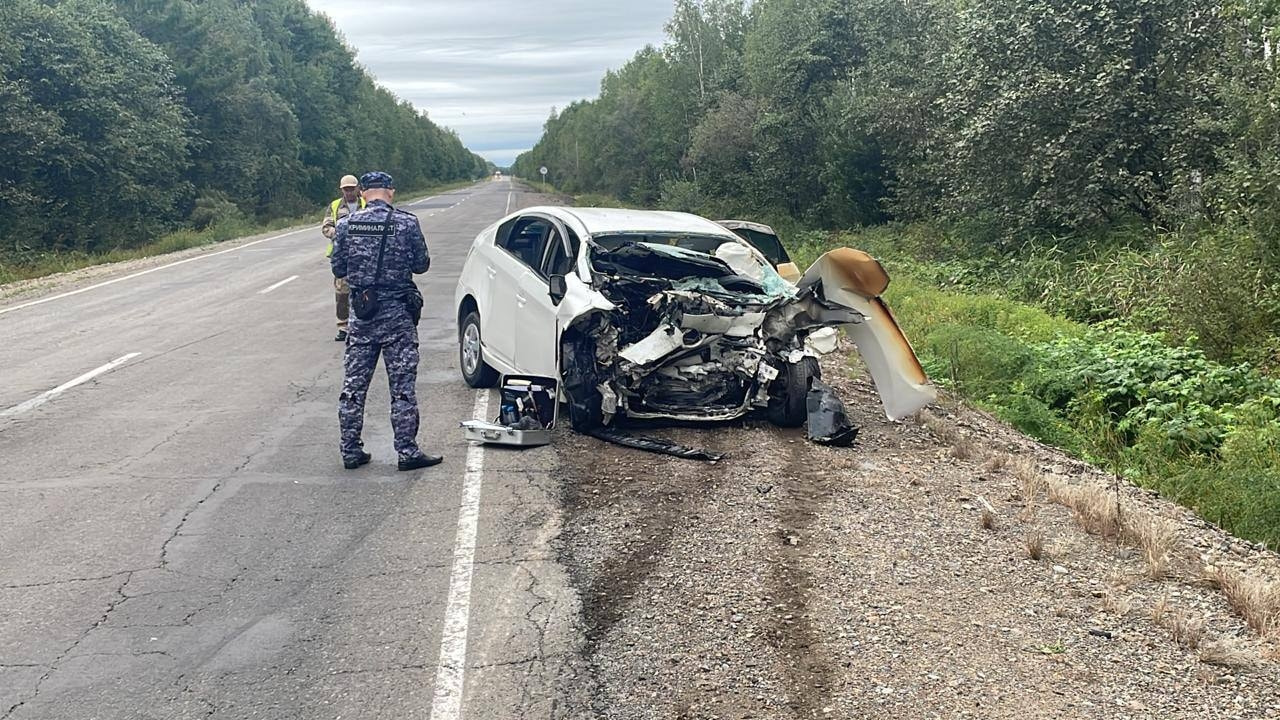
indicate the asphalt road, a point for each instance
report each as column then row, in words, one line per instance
column 178, row 538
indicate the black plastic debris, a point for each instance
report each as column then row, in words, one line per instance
column 655, row 445
column 828, row 422
column 528, row 423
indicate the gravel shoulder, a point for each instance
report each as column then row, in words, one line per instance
column 797, row 581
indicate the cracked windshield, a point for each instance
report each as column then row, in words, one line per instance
column 664, row 360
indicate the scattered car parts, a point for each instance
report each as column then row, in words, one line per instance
column 651, row 444
column 828, row 422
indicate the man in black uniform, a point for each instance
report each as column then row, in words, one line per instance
column 378, row 250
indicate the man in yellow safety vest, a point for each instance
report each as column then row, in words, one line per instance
column 350, row 202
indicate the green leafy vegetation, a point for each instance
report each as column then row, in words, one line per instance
column 1107, row 159
column 128, row 121
column 1077, row 200
column 1165, row 416
column 218, row 227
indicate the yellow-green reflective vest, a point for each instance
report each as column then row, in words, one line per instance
column 333, row 210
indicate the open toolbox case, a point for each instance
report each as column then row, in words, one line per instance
column 519, row 396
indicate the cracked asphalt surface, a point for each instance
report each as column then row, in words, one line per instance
column 180, row 539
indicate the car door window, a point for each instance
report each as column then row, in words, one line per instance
column 504, row 231
column 527, row 241
column 559, row 259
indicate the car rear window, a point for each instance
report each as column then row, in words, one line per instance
column 768, row 245
column 705, row 244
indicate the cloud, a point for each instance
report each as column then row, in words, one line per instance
column 493, row 69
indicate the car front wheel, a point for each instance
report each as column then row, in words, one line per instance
column 788, row 398
column 475, row 370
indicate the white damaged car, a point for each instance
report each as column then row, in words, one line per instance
column 669, row 315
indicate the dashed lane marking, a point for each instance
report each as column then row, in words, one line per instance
column 45, row 397
column 60, row 296
column 282, row 283
column 451, row 674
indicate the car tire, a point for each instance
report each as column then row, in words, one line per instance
column 579, row 382
column 788, row 401
column 475, row 371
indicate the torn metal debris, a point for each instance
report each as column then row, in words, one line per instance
column 828, row 422
column 651, row 444
column 694, row 328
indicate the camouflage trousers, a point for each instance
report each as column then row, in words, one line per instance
column 399, row 354
column 342, row 301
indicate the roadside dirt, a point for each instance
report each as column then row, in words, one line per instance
column 796, row 581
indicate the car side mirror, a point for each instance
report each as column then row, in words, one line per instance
column 559, row 288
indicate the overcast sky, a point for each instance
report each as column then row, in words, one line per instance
column 493, row 69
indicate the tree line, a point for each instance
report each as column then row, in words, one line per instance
column 1106, row 159
column 1045, row 115
column 125, row 119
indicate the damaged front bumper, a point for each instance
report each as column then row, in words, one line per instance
column 715, row 344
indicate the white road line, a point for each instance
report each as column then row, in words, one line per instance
column 45, row 397
column 508, row 210
column 51, row 298
column 451, row 675
column 285, row 281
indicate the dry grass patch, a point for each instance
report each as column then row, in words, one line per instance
column 1031, row 482
column 995, row 463
column 1099, row 511
column 1160, row 610
column 940, row 428
column 1256, row 599
column 1092, row 504
column 1034, row 542
column 1116, row 603
column 987, row 520
column 962, row 446
column 1187, row 629
column 1155, row 536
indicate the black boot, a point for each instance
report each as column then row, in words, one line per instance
column 351, row 463
column 422, row 461
column 342, row 335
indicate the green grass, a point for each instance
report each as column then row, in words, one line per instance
column 601, row 201
column 36, row 265
column 1202, row 433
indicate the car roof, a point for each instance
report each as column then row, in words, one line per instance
column 604, row 221
column 747, row 225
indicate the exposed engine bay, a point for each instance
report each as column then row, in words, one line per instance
column 700, row 329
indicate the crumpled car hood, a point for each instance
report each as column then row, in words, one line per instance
column 669, row 333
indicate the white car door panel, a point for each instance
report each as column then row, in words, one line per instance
column 537, row 331
column 498, row 320
column 519, row 252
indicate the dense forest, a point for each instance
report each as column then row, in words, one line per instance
column 123, row 120
column 1079, row 200
column 1059, row 129
column 1045, row 116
